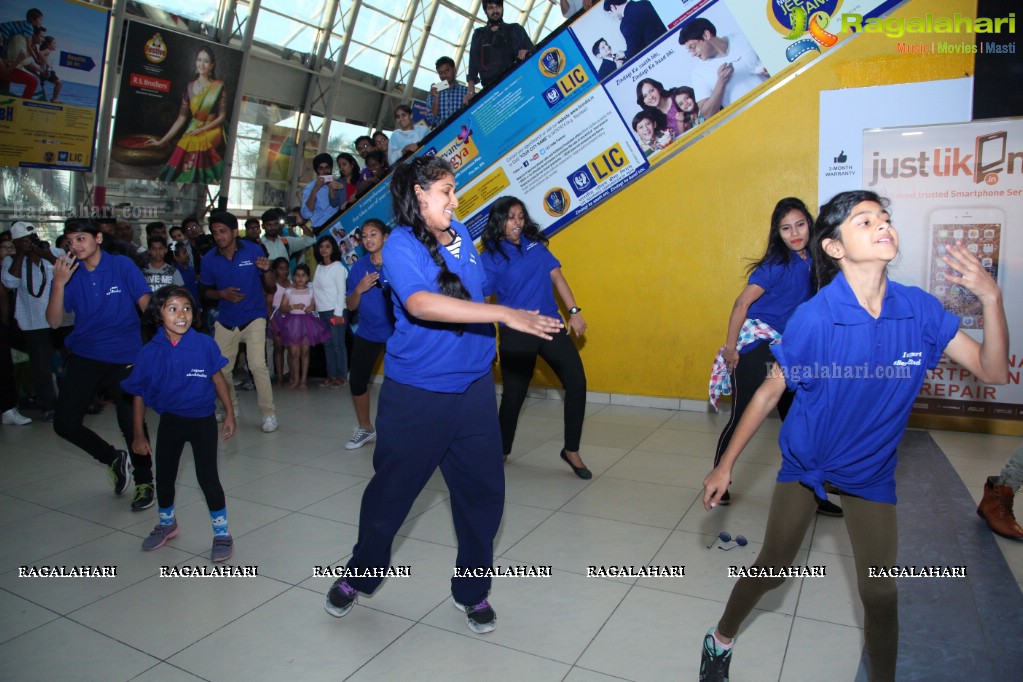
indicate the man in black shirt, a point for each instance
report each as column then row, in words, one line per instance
column 494, row 47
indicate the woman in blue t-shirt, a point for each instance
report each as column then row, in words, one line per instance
column 437, row 405
column 520, row 272
column 778, row 283
column 856, row 355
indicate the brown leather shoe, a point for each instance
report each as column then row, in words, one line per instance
column 996, row 509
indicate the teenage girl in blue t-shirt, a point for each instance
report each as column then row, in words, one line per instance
column 437, row 405
column 856, row 355
column 520, row 271
column 178, row 374
column 370, row 295
column 778, row 283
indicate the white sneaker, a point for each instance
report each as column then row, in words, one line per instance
column 360, row 438
column 14, row 418
column 269, row 424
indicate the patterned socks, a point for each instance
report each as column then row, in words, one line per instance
column 219, row 520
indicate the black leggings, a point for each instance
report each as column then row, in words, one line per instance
column 873, row 531
column 171, row 436
column 518, row 359
column 84, row 378
column 749, row 374
column 365, row 354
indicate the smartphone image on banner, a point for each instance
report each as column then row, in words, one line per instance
column 980, row 231
column 990, row 154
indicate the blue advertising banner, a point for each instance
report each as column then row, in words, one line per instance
column 594, row 106
column 548, row 83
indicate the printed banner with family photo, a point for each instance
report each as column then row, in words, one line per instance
column 616, row 35
column 51, row 72
column 700, row 67
column 174, row 107
column 957, row 183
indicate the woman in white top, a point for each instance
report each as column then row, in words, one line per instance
column 405, row 138
column 329, row 288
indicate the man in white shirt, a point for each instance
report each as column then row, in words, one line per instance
column 728, row 66
column 30, row 272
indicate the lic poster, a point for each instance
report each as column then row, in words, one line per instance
column 51, row 70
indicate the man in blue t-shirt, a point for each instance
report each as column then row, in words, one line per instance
column 237, row 275
column 103, row 291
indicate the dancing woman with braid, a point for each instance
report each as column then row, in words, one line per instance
column 437, row 405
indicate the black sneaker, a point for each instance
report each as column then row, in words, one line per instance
column 341, row 598
column 119, row 469
column 829, row 508
column 480, row 618
column 143, row 497
column 714, row 662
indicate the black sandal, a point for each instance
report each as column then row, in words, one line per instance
column 582, row 472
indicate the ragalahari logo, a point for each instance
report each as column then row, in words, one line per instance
column 805, row 23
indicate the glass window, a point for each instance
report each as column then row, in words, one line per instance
column 263, row 155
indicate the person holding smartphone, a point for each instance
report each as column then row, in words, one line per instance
column 447, row 96
column 322, row 197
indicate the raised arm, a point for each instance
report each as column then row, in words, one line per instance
column 989, row 360
column 62, row 271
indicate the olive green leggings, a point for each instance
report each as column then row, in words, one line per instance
column 873, row 531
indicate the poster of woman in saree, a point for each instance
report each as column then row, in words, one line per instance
column 199, row 155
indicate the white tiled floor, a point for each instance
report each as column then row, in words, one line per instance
column 293, row 502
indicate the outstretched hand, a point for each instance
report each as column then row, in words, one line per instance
column 532, row 322
column 969, row 273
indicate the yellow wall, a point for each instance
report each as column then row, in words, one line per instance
column 657, row 268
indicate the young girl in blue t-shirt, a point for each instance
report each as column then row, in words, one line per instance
column 437, row 406
column 370, row 296
column 856, row 355
column 521, row 272
column 778, row 282
column 178, row 375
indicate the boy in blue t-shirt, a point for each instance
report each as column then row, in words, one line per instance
column 237, row 276
column 102, row 290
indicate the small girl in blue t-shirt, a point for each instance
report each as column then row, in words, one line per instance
column 178, row 375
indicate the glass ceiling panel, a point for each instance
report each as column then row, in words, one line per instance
column 205, row 11
column 274, row 29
